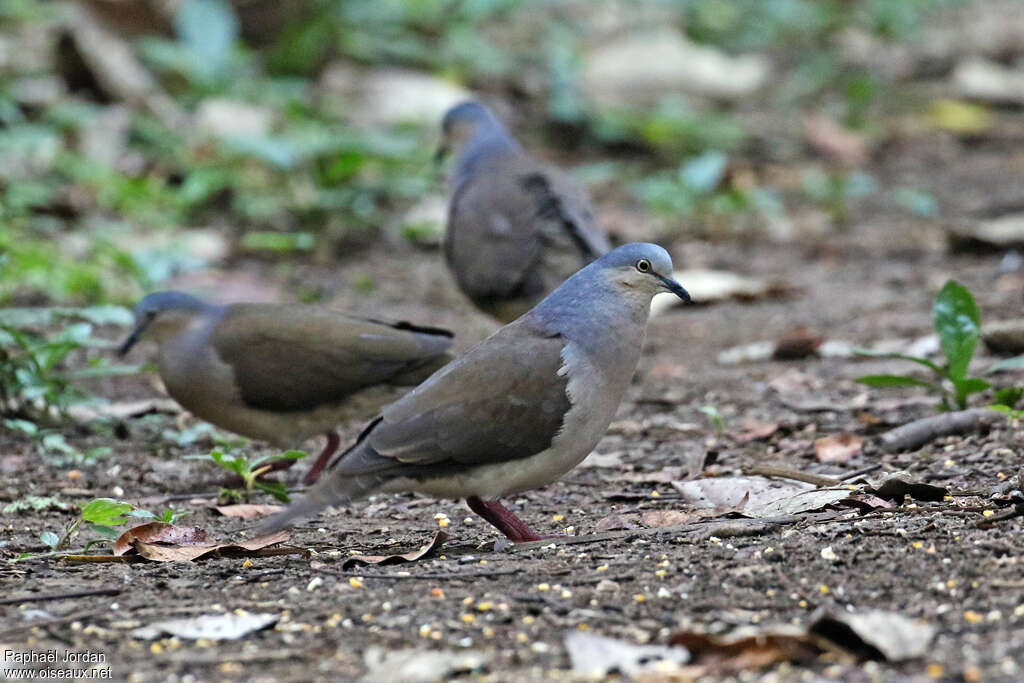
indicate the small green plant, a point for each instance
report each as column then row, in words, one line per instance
column 35, row 385
column 250, row 471
column 957, row 322
column 103, row 516
column 717, row 421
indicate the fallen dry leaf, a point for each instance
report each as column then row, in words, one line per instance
column 416, row 665
column 162, row 532
column 162, row 542
column 838, row 447
column 745, row 649
column 876, row 634
column 754, row 430
column 248, row 510
column 170, row 553
column 439, row 538
column 805, row 501
column 594, row 655
column 729, row 492
column 230, row 626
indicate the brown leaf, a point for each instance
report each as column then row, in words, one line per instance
column 161, row 532
column 743, row 650
column 838, row 447
column 248, row 511
column 162, row 542
column 435, row 543
column 617, row 522
column 754, row 430
column 186, row 553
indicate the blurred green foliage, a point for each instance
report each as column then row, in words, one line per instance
column 71, row 219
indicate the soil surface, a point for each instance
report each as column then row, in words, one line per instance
column 626, row 578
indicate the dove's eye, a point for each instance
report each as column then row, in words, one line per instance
column 643, row 265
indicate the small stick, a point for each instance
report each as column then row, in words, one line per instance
column 42, row 597
column 861, row 472
column 913, row 435
column 431, row 575
column 710, row 527
column 1015, row 511
column 796, row 475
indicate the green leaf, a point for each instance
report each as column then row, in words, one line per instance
column 106, row 512
column 1015, row 363
column 50, row 539
column 209, row 29
column 895, row 381
column 901, row 356
column 287, row 455
column 1009, row 396
column 108, row 532
column 957, row 321
column 274, row 488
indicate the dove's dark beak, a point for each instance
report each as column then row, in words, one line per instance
column 676, row 288
column 132, row 339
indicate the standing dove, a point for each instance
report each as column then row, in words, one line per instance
column 281, row 373
column 516, row 411
column 516, row 229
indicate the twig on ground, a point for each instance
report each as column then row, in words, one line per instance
column 1015, row 511
column 706, row 527
column 913, row 435
column 42, row 597
column 796, row 475
column 438, row 576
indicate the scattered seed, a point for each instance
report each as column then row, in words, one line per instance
column 934, row 671
column 247, row 563
column 557, row 518
column 313, row 584
column 543, row 587
column 355, row 581
column 467, row 618
column 639, row 597
column 437, row 593
column 529, row 619
column 603, row 568
column 972, row 617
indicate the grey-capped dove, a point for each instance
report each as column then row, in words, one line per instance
column 516, row 228
column 518, row 410
column 279, row 372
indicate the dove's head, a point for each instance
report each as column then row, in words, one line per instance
column 462, row 123
column 640, row 269
column 162, row 314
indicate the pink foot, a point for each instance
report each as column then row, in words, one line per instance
column 333, row 441
column 504, row 520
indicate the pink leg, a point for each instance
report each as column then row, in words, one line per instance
column 333, row 441
column 503, row 519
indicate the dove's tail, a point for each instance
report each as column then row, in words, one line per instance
column 356, row 473
column 333, row 489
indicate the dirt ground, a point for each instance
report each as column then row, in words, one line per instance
column 874, row 279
